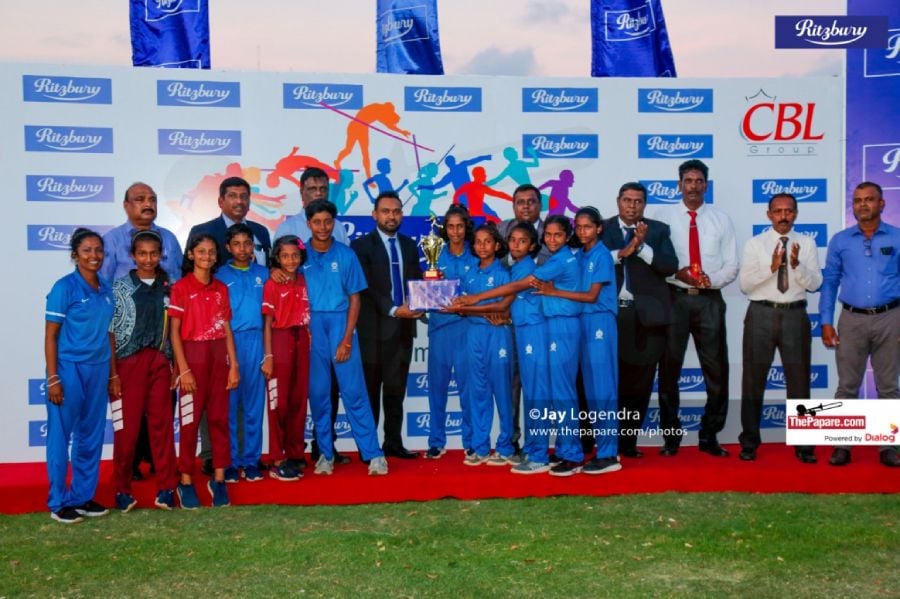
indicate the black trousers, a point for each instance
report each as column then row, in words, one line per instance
column 386, row 368
column 701, row 317
column 765, row 329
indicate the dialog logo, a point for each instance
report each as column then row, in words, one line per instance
column 313, row 95
column 774, row 127
column 559, row 99
column 74, row 90
column 63, row 188
column 564, row 145
column 60, row 138
column 625, row 25
column 805, row 190
column 665, row 191
column 199, row 141
column 157, row 10
column 675, row 100
column 56, row 237
column 818, row 231
column 222, row 94
column 442, row 99
column 822, row 32
column 675, row 146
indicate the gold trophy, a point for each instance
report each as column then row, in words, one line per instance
column 433, row 292
column 432, row 245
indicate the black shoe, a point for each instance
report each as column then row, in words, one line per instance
column 840, row 457
column 714, row 449
column 262, row 465
column 298, row 464
column 136, row 474
column 67, row 515
column 207, row 467
column 91, row 509
column 748, row 454
column 632, row 452
column 398, row 451
column 669, row 451
column 890, row 458
column 340, row 459
column 805, row 456
column 554, row 459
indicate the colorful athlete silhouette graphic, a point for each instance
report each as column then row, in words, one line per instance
column 559, row 192
column 516, row 168
column 381, row 180
column 339, row 193
column 476, row 190
column 358, row 131
column 293, row 163
column 422, row 189
column 457, row 175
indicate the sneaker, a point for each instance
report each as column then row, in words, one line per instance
column 252, row 474
column 555, row 459
column 232, row 475
column 165, row 500
column 124, row 502
column 218, row 492
column 602, row 466
column 501, row 460
column 378, row 466
column 324, row 465
column 298, row 464
column 565, row 468
column 529, row 467
column 91, row 509
column 284, row 472
column 66, row 515
column 435, row 453
column 473, row 459
column 341, row 459
column 516, row 459
column 187, row 497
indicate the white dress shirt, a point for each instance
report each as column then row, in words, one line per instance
column 645, row 253
column 760, row 283
column 718, row 245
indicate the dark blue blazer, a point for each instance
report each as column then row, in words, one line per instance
column 216, row 227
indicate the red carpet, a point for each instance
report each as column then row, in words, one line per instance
column 23, row 487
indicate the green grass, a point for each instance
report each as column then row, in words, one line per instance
column 635, row 546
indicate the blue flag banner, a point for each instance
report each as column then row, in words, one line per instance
column 170, row 33
column 629, row 39
column 407, row 37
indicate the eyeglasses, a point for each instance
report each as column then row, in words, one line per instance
column 867, row 243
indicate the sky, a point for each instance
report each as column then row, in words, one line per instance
column 550, row 38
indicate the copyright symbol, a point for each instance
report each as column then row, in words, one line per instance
column 534, row 413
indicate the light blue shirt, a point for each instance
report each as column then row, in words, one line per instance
column 245, row 292
column 297, row 225
column 84, row 315
column 332, row 277
column 117, row 261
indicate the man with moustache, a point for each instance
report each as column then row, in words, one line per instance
column 643, row 254
column 778, row 268
column 864, row 262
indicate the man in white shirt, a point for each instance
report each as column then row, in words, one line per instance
column 705, row 244
column 778, row 268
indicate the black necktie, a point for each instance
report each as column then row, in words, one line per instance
column 396, row 277
column 629, row 235
column 782, row 270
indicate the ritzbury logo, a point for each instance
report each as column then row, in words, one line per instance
column 157, row 10
column 675, row 146
column 418, row 424
column 881, row 164
column 773, row 416
column 91, row 140
column 818, row 377
column 836, row 31
column 56, row 237
column 884, row 61
column 37, row 433
column 37, row 392
column 815, row 324
column 417, row 385
column 442, row 99
column 566, row 145
column 559, row 99
column 76, row 90
column 665, row 191
column 62, row 188
column 675, row 100
column 625, row 25
column 690, row 419
column 399, row 25
column 819, row 232
column 805, row 190
column 313, row 95
column 222, row 94
column 199, row 141
column 690, row 381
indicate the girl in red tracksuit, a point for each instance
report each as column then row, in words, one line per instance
column 286, row 362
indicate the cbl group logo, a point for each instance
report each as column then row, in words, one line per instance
column 56, row 237
column 772, row 127
column 221, row 94
column 157, row 10
column 818, row 231
column 820, row 32
column 442, row 99
column 61, row 138
column 306, row 96
column 818, row 377
column 74, row 90
column 675, row 146
column 634, row 23
column 562, row 145
column 805, row 190
column 678, row 100
column 884, row 61
column 64, row 188
column 559, row 99
column 665, row 191
column 199, row 141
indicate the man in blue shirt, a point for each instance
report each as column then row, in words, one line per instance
column 313, row 186
column 864, row 261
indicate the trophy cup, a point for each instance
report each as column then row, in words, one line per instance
column 433, row 292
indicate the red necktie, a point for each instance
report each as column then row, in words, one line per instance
column 694, row 245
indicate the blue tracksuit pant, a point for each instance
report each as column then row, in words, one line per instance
column 534, row 366
column 446, row 353
column 600, row 371
column 564, row 335
column 489, row 381
column 248, row 399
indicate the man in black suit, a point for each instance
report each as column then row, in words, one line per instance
column 644, row 256
column 386, row 326
column 234, row 201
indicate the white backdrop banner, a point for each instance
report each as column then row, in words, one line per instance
column 73, row 138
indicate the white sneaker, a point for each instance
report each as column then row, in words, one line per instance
column 378, row 467
column 529, row 467
column 324, row 465
column 473, row 459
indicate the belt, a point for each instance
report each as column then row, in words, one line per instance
column 782, row 306
column 694, row 290
column 623, row 303
column 875, row 310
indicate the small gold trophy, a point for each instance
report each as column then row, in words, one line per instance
column 432, row 245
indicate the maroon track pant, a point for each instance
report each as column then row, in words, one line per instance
column 208, row 361
column 288, row 393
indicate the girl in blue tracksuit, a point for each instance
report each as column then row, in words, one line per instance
column 78, row 350
column 447, row 335
column 599, row 337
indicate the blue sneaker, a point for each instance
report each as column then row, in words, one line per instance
column 187, row 497
column 165, row 500
column 252, row 474
column 284, row 472
column 218, row 492
column 232, row 475
column 125, row 502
